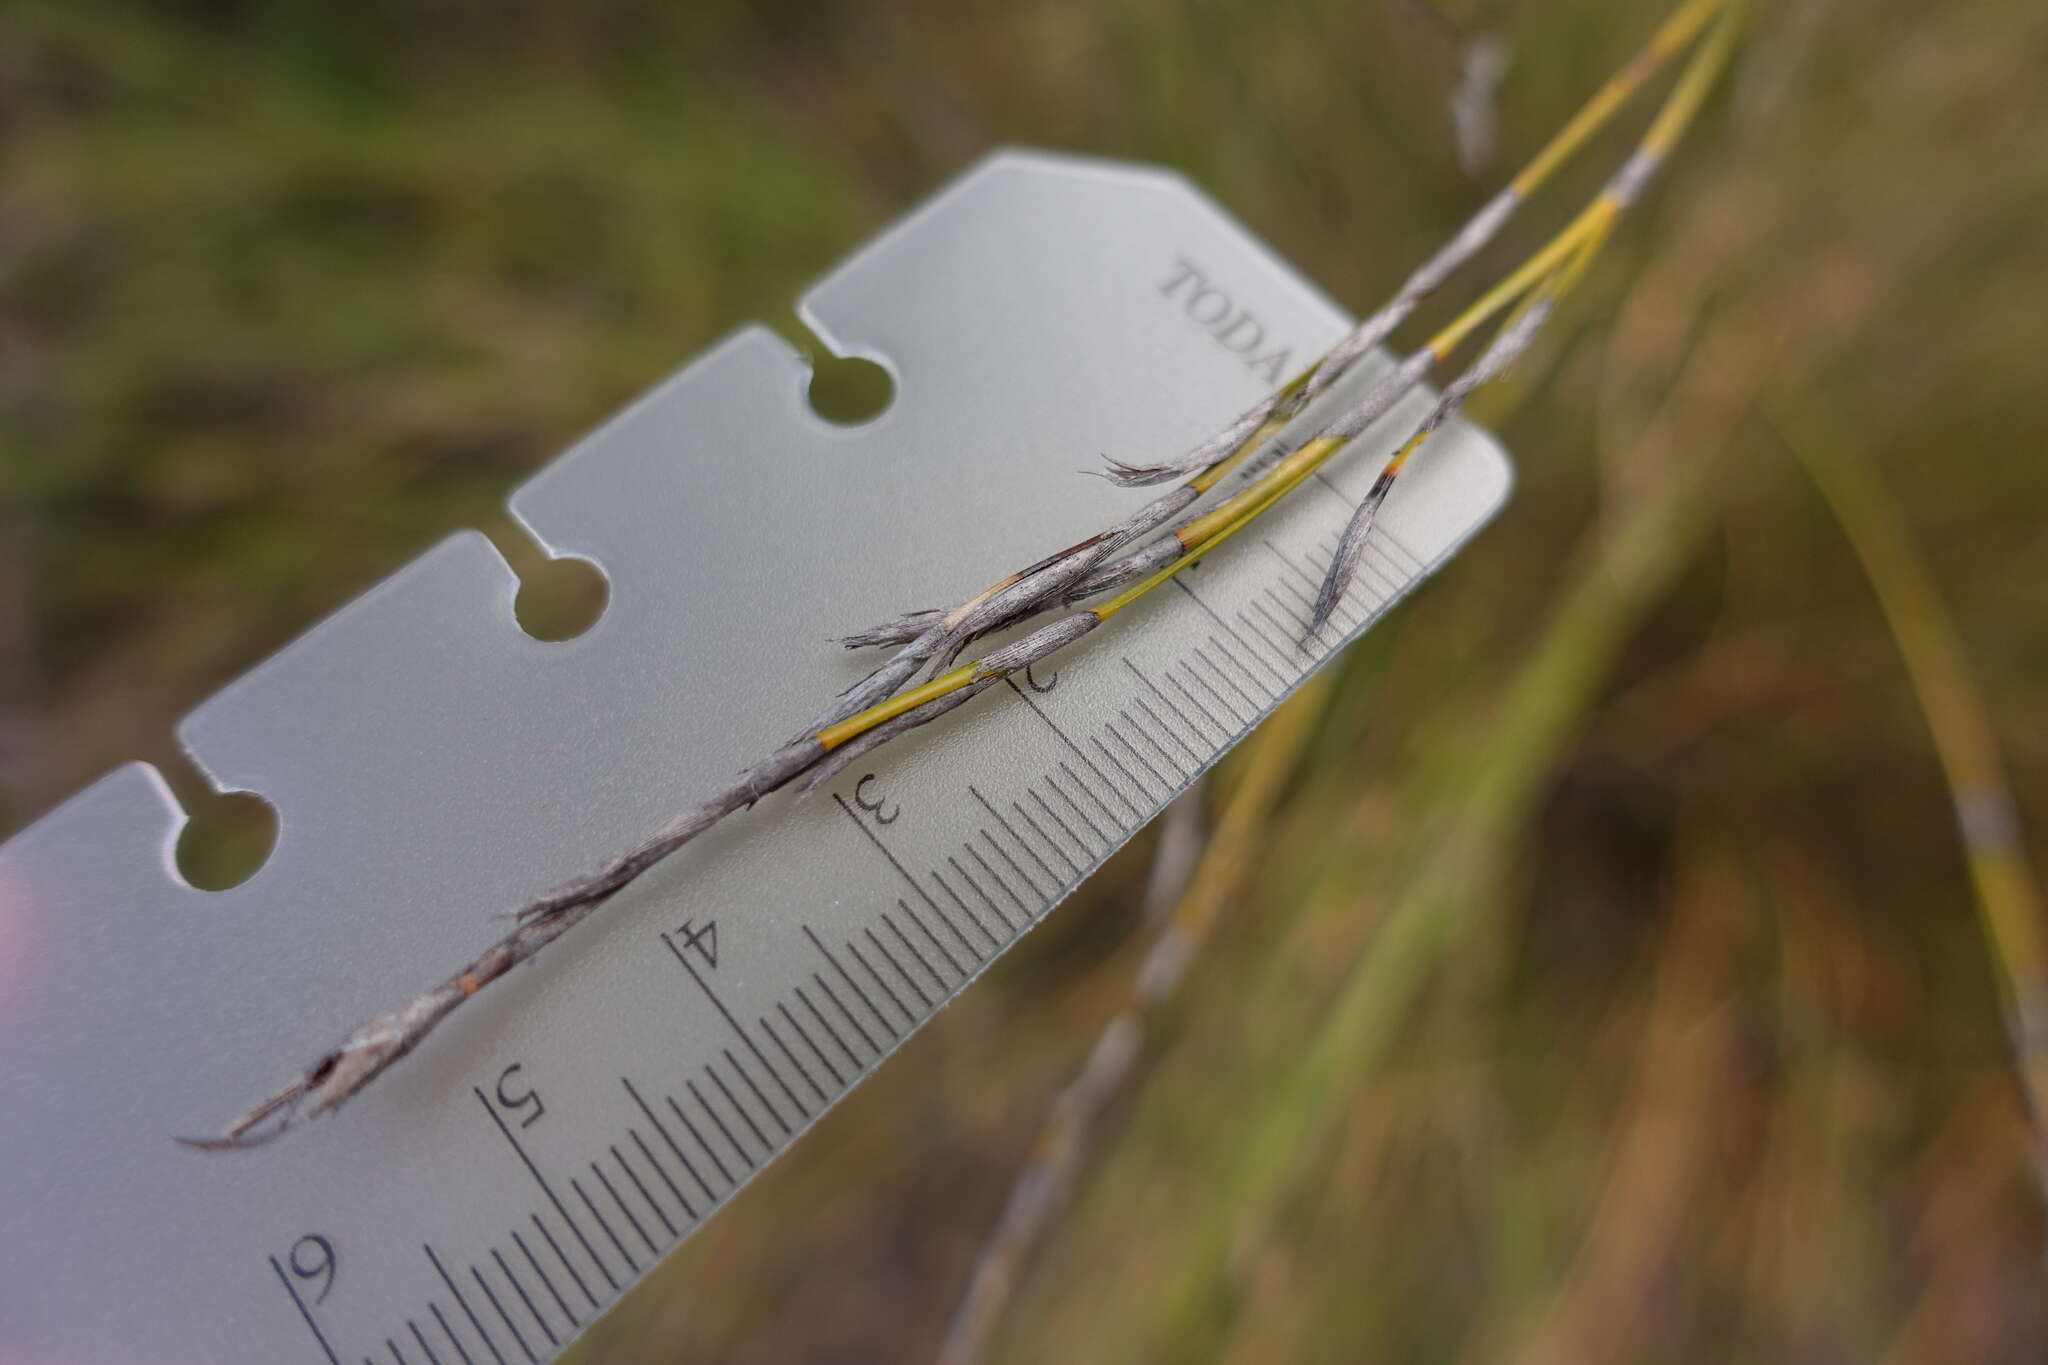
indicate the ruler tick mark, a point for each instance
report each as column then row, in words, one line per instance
column 421, row 1338
column 826, row 1024
column 826, row 986
column 1195, row 704
column 1166, row 758
column 450, row 1331
column 1344, row 499
column 1292, row 567
column 709, row 1151
column 304, row 1312
column 719, row 1124
column 952, row 926
column 938, row 946
column 789, row 1056
column 506, row 1318
column 1285, row 614
column 1159, row 724
column 971, row 917
column 1377, row 562
column 1282, row 652
column 1091, row 793
column 1011, row 830
column 1302, row 641
column 1087, row 853
column 994, row 875
column 881, row 982
column 803, row 1033
column 1390, row 543
column 545, row 1279
column 1079, row 753
column 1135, row 752
column 1080, row 813
column 747, row 1079
column 463, row 1304
column 911, row 948
column 741, row 1033
column 892, row 960
column 568, row 1265
column 894, row 862
column 1231, row 631
column 1309, row 586
column 1242, row 718
column 547, row 1190
column 1120, row 766
column 1384, row 576
column 1045, row 838
column 605, row 1227
column 1303, row 602
column 520, row 1290
column 993, row 908
column 641, row 1185
column 711, row 1072
column 851, row 984
column 1223, row 674
column 1168, row 703
column 661, row 1130
column 624, row 1209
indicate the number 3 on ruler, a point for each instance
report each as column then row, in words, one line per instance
column 874, row 804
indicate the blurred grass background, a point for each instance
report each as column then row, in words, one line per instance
column 1610, row 985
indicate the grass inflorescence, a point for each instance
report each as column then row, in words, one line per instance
column 1247, row 457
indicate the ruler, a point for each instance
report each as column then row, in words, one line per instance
column 433, row 765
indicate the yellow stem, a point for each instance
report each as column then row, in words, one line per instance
column 1222, row 469
column 1271, row 487
column 832, row 736
column 2008, row 899
column 1554, row 253
column 1674, row 33
column 1701, row 74
column 1554, row 268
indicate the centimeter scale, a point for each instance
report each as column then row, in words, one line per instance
column 432, row 766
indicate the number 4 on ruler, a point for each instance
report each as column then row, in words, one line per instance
column 704, row 940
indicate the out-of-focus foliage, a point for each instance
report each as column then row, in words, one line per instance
column 1612, row 988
